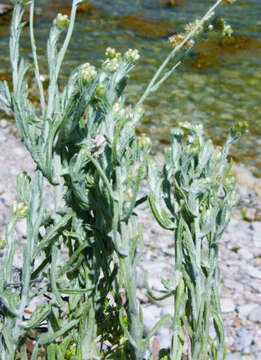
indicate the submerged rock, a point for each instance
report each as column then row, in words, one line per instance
column 146, row 28
column 212, row 52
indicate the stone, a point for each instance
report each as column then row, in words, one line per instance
column 3, row 122
column 151, row 314
column 234, row 356
column 244, row 339
column 245, row 254
column 255, row 315
column 164, row 338
column 21, row 227
column 2, row 189
column 256, row 286
column 232, row 284
column 245, row 310
column 256, row 225
column 255, row 273
column 141, row 278
column 142, row 296
column 20, row 152
column 227, row 305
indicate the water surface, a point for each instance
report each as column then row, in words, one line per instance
column 218, row 84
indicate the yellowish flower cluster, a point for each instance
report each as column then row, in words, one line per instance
column 88, row 72
column 20, row 209
column 176, row 40
column 132, row 55
column 62, row 21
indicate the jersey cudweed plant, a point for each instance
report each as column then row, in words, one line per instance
column 78, row 277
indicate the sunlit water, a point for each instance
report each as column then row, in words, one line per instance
column 215, row 91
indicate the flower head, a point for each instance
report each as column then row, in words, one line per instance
column 144, row 141
column 111, row 65
column 20, row 209
column 88, row 72
column 132, row 55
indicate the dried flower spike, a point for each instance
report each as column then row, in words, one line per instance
column 176, row 40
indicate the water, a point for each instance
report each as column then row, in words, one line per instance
column 216, row 85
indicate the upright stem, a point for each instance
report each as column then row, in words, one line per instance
column 36, row 67
column 174, row 52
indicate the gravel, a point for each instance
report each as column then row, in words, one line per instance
column 240, row 254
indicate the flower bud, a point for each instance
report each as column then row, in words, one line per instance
column 88, row 73
column 132, row 55
column 229, row 181
column 100, row 90
column 25, row 2
column 3, row 244
column 144, row 141
column 62, row 21
column 111, row 65
column 20, row 209
column 240, row 127
column 110, row 53
column 217, row 153
column 129, row 194
column 227, row 31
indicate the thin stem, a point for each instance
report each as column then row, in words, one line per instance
column 14, row 42
column 174, row 51
column 67, row 38
column 34, row 52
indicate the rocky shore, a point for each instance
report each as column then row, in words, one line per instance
column 240, row 253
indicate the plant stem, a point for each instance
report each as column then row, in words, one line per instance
column 173, row 54
column 36, row 67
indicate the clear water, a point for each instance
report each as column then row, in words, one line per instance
column 228, row 89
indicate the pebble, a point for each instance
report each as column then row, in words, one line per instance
column 3, row 123
column 18, row 151
column 164, row 338
column 244, row 339
column 21, row 227
column 245, row 254
column 227, row 305
column 254, row 272
column 256, row 226
column 244, row 310
column 235, row 356
column 151, row 315
column 255, row 315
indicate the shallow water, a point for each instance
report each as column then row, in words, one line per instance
column 216, row 85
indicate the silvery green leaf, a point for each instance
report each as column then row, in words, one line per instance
column 5, row 97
